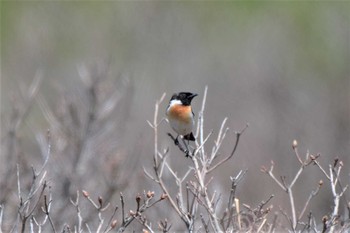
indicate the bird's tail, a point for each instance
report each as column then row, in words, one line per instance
column 189, row 137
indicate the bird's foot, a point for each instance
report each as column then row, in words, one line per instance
column 176, row 141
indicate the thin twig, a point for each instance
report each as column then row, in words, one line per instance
column 200, row 124
column 312, row 194
column 238, row 135
column 123, row 210
column 47, row 205
column 270, row 173
column 76, row 205
column 205, row 225
column 1, row 217
column 234, row 182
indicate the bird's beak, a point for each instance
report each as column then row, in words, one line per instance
column 193, row 95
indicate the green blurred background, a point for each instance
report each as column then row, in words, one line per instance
column 283, row 67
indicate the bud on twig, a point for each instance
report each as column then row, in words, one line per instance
column 325, row 219
column 295, row 144
column 85, row 193
column 114, row 224
column 150, row 194
column 320, row 183
column 100, row 201
column 164, row 196
column 336, row 160
column 138, row 198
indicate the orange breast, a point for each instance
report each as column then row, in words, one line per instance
column 181, row 112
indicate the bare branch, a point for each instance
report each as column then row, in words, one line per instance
column 238, row 135
column 1, row 217
column 270, row 173
column 312, row 194
column 200, row 130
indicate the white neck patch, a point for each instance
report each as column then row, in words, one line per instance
column 175, row 102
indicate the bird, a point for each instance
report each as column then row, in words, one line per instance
column 180, row 115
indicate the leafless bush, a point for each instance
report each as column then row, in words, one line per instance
column 330, row 222
column 195, row 189
column 82, row 150
column 57, row 190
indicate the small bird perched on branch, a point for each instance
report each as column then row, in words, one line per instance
column 181, row 116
